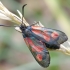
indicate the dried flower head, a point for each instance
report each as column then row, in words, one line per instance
column 7, row 15
column 65, row 49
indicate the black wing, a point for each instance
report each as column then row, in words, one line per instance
column 50, row 35
column 38, row 50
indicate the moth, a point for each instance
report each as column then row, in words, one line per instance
column 39, row 39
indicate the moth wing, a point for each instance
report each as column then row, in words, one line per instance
column 59, row 36
column 38, row 50
column 50, row 35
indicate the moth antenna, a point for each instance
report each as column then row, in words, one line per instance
column 22, row 18
column 9, row 26
column 23, row 12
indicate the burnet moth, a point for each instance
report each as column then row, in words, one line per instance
column 40, row 39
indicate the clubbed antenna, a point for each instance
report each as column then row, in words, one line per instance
column 23, row 12
column 22, row 18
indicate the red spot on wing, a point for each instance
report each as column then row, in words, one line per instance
column 37, row 48
column 33, row 50
column 37, row 32
column 46, row 36
column 39, row 57
column 36, row 27
column 40, row 48
column 43, row 34
column 33, row 46
column 26, row 40
column 54, row 35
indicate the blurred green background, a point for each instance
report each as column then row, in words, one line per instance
column 14, row 54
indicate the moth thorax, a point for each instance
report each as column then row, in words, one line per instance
column 22, row 28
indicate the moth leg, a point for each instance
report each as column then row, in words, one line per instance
column 35, row 23
column 38, row 23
